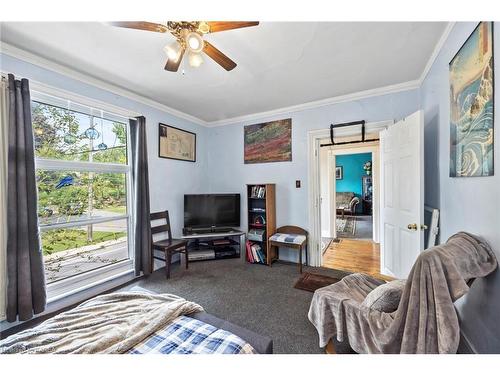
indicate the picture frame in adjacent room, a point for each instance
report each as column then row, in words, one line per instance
column 175, row 143
column 339, row 173
column 471, row 74
column 268, row 142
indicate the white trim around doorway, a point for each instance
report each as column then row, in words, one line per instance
column 373, row 149
column 314, row 139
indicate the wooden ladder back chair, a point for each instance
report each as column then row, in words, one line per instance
column 169, row 245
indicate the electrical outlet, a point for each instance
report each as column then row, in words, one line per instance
column 297, row 184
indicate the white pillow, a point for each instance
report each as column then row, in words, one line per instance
column 385, row 297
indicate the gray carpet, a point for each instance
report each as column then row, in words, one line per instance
column 256, row 297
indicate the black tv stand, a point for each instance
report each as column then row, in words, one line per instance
column 195, row 231
column 213, row 245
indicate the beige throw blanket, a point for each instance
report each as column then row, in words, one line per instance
column 111, row 323
column 425, row 321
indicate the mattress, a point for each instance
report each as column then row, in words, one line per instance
column 261, row 344
column 187, row 335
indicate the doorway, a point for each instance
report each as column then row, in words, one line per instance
column 349, row 177
column 317, row 197
column 353, row 195
column 397, row 188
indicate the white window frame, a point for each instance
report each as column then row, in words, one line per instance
column 86, row 280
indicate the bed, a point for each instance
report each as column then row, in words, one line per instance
column 137, row 322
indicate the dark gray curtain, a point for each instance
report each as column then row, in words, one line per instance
column 26, row 293
column 142, row 242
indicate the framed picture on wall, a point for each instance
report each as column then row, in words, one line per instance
column 471, row 105
column 339, row 173
column 175, row 143
column 268, row 142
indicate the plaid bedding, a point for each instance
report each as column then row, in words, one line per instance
column 186, row 335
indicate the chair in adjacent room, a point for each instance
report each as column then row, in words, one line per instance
column 168, row 245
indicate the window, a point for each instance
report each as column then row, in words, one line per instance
column 83, row 176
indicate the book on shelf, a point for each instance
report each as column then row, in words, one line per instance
column 257, row 209
column 261, row 255
column 258, row 192
column 255, row 253
column 249, row 252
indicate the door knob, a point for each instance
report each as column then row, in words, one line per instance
column 413, row 227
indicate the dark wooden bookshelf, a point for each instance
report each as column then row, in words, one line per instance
column 266, row 208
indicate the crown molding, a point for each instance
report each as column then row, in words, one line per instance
column 435, row 52
column 34, row 59
column 405, row 86
column 409, row 85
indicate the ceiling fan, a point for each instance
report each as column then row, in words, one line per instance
column 189, row 38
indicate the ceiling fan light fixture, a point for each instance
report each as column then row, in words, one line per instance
column 173, row 51
column 195, row 59
column 189, row 36
column 203, row 27
column 194, row 41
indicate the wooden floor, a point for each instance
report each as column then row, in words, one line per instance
column 354, row 256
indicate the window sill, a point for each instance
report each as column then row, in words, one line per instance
column 71, row 291
column 78, row 283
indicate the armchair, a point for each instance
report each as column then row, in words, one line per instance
column 425, row 320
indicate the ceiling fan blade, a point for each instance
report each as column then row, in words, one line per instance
column 173, row 66
column 219, row 57
column 141, row 25
column 216, row 26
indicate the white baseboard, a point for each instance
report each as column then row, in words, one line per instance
column 386, row 272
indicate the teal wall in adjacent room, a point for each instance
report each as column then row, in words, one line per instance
column 353, row 172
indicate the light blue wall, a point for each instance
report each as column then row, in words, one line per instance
column 169, row 180
column 228, row 173
column 466, row 204
column 353, row 173
column 469, row 204
column 219, row 166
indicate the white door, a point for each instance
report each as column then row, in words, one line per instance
column 402, row 195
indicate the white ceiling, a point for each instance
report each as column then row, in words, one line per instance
column 280, row 64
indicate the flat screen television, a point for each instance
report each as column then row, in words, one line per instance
column 203, row 211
